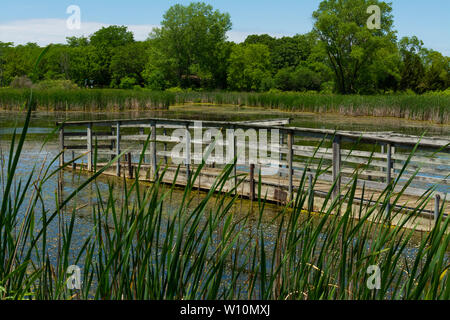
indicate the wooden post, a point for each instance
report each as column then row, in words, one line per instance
column 437, row 208
column 388, row 173
column 130, row 166
column 281, row 146
column 118, row 148
column 112, row 144
column 337, row 167
column 89, row 146
column 188, row 153
column 165, row 147
column 61, row 147
column 236, row 156
column 290, row 157
column 142, row 133
column 153, row 151
column 311, row 192
column 74, row 165
column 252, row 182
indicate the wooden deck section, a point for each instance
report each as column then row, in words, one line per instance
column 273, row 188
column 332, row 156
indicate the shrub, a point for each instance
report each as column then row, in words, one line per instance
column 156, row 81
column 127, row 83
column 22, row 82
column 175, row 90
column 56, row 84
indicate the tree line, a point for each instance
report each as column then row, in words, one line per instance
column 190, row 50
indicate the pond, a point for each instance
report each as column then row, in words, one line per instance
column 36, row 155
column 43, row 123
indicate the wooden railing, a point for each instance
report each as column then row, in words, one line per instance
column 378, row 158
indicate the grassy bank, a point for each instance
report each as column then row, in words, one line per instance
column 202, row 249
column 435, row 108
column 86, row 100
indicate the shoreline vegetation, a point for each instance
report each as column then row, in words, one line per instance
column 431, row 107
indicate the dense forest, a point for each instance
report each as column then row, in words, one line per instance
column 190, row 51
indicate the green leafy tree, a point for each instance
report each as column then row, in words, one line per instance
column 128, row 61
column 412, row 68
column 77, row 41
column 105, row 41
column 190, row 41
column 301, row 78
column 4, row 47
column 286, row 51
column 18, row 62
column 437, row 71
column 85, row 65
column 56, row 64
column 350, row 45
column 250, row 68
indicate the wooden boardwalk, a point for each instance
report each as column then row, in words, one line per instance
column 379, row 159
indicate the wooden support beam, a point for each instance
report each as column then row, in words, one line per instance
column 142, row 133
column 153, row 151
column 336, row 167
column 437, row 208
column 74, row 165
column 252, row 182
column 311, row 192
column 188, row 153
column 111, row 148
column 61, row 147
column 290, row 159
column 281, row 154
column 118, row 148
column 388, row 173
column 237, row 157
column 130, row 166
column 165, row 146
column 89, row 146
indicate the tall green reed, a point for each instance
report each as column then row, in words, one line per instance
column 434, row 108
column 86, row 99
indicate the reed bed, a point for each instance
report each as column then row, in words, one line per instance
column 86, row 99
column 435, row 108
column 205, row 250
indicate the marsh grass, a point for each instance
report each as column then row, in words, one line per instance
column 435, row 108
column 86, row 99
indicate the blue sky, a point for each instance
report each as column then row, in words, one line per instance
column 43, row 21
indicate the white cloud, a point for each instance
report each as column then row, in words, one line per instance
column 45, row 31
